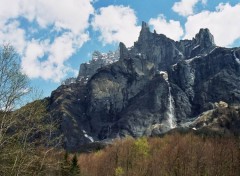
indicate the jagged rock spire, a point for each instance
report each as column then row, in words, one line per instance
column 124, row 54
column 145, row 25
column 204, row 38
column 145, row 32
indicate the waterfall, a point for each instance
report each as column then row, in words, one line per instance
column 236, row 58
column 171, row 111
column 170, row 119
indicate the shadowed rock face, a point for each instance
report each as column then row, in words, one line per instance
column 131, row 96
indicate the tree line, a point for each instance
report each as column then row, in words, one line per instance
column 174, row 154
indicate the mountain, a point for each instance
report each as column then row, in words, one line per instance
column 157, row 85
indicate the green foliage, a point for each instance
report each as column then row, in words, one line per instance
column 65, row 165
column 119, row 171
column 74, row 170
column 141, row 146
column 70, row 168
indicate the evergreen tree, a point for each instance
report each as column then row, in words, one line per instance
column 74, row 170
column 65, row 166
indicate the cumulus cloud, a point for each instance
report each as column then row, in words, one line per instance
column 186, row 7
column 116, row 24
column 64, row 14
column 12, row 33
column 47, row 58
column 64, row 22
column 171, row 28
column 223, row 23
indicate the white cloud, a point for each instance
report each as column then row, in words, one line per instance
column 65, row 22
column 116, row 24
column 186, row 7
column 171, row 29
column 64, row 14
column 12, row 33
column 57, row 52
column 9, row 9
column 223, row 23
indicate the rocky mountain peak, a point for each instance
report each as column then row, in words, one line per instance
column 98, row 60
column 145, row 26
column 204, row 38
column 124, row 54
column 158, row 84
column 145, row 32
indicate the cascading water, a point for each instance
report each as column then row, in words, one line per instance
column 236, row 58
column 170, row 120
column 171, row 112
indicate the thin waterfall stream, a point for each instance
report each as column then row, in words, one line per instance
column 171, row 111
column 170, row 119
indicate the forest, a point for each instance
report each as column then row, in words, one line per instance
column 173, row 154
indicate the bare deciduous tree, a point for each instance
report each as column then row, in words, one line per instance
column 25, row 132
column 13, row 86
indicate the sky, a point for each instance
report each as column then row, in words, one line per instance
column 53, row 37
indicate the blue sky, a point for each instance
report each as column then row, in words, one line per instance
column 53, row 37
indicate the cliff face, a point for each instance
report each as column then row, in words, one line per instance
column 98, row 60
column 154, row 86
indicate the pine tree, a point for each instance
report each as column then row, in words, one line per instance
column 65, row 165
column 75, row 170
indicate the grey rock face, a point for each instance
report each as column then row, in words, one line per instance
column 201, row 44
column 98, row 60
column 132, row 95
column 156, row 48
column 208, row 79
column 222, row 119
column 205, row 39
column 69, row 81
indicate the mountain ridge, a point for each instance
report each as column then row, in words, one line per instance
column 155, row 84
